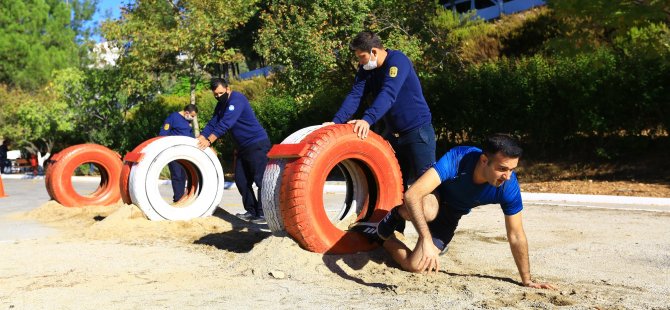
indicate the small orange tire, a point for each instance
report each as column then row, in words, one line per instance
column 58, row 177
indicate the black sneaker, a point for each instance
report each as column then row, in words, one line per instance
column 260, row 220
column 245, row 216
column 369, row 230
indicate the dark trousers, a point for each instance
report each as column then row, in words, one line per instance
column 249, row 169
column 415, row 151
column 443, row 227
column 178, row 177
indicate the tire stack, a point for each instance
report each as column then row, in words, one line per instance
column 135, row 180
column 291, row 193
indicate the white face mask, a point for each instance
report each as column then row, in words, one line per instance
column 188, row 117
column 372, row 64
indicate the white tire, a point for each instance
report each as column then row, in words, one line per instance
column 208, row 184
column 272, row 183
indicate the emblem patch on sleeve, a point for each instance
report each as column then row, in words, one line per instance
column 231, row 107
column 166, row 127
column 393, row 72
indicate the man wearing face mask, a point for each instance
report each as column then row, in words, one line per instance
column 398, row 99
column 179, row 124
column 234, row 114
column 464, row 178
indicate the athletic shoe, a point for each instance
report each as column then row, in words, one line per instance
column 245, row 216
column 369, row 230
column 260, row 220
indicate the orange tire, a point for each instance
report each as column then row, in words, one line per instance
column 303, row 180
column 59, row 175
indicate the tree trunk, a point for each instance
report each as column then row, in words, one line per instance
column 196, row 128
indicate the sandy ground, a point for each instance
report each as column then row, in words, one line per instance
column 113, row 257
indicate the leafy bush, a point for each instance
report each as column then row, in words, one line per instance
column 252, row 88
column 553, row 100
column 278, row 115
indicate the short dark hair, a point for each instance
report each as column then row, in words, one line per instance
column 502, row 143
column 216, row 82
column 365, row 41
column 191, row 108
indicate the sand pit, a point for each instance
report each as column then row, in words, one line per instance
column 113, row 257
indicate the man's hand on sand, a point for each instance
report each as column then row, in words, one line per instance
column 430, row 256
column 361, row 127
column 540, row 285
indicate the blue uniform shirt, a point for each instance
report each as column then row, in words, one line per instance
column 461, row 194
column 397, row 91
column 176, row 125
column 236, row 116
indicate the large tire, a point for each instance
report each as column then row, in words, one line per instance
column 58, row 177
column 204, row 179
column 371, row 163
column 272, row 183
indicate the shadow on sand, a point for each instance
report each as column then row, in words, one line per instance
column 241, row 239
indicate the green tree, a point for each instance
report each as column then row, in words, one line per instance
column 34, row 41
column 175, row 38
column 455, row 40
column 310, row 39
column 99, row 106
column 28, row 118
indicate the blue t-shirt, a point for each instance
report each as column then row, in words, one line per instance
column 461, row 194
column 398, row 95
column 176, row 125
column 236, row 116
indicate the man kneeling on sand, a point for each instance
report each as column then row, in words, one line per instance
column 464, row 178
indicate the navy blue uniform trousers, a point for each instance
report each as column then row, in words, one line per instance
column 415, row 151
column 178, row 177
column 249, row 169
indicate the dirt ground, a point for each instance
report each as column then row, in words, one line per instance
column 590, row 187
column 646, row 177
column 114, row 258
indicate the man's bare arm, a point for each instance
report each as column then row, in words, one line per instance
column 519, row 246
column 414, row 197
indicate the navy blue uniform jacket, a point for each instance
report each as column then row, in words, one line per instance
column 397, row 91
column 236, row 116
column 176, row 125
